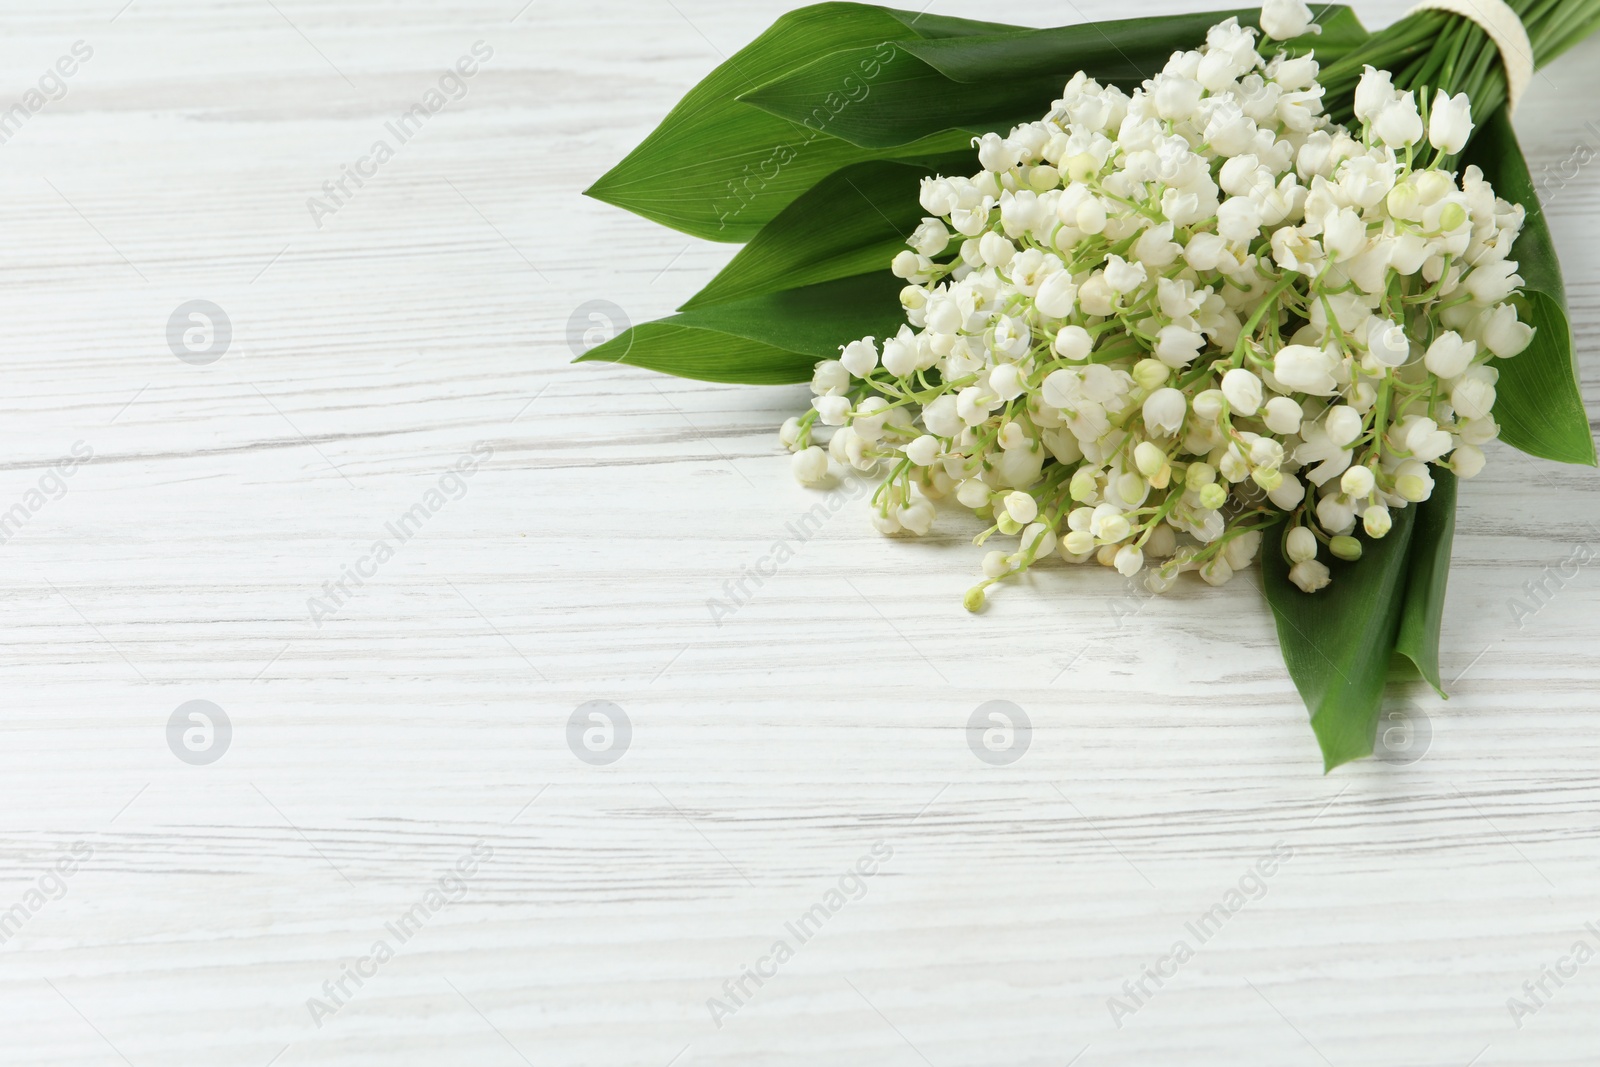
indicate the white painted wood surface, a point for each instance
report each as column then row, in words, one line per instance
column 428, row 717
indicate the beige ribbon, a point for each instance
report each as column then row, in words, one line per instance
column 1505, row 29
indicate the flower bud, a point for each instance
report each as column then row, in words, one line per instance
column 1073, row 342
column 1078, row 542
column 1288, row 496
column 1358, row 482
column 1346, row 548
column 1129, row 561
column 1405, row 202
column 1021, row 507
column 1335, row 514
column 923, row 451
column 1301, row 544
column 1377, row 521
column 1199, row 475
column 1130, row 487
column 1282, row 415
column 995, row 249
column 1213, row 496
column 1208, row 404
column 1151, row 374
column 1268, row 478
column 1085, row 484
column 1149, row 458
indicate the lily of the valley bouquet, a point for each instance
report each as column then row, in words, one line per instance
column 1251, row 286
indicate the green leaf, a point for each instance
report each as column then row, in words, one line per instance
column 1142, row 46
column 1427, row 574
column 1337, row 642
column 934, row 27
column 907, row 101
column 995, row 81
column 1539, row 404
column 720, row 169
column 764, row 340
column 852, row 222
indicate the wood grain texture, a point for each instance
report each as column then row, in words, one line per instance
column 428, row 717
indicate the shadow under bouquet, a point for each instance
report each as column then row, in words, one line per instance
column 1170, row 295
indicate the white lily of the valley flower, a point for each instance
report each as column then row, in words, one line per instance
column 1301, row 545
column 810, row 465
column 1283, row 19
column 860, row 358
column 1449, row 122
column 1164, row 410
column 1449, row 356
column 1387, row 343
column 1305, row 369
column 1309, row 575
column 1243, row 391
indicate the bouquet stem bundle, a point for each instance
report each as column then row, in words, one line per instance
column 812, row 146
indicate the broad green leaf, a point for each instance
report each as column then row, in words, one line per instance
column 1427, row 573
column 1538, row 401
column 906, row 102
column 1143, row 46
column 996, row 81
column 852, row 222
column 720, row 169
column 933, row 27
column 764, row 340
column 1337, row 642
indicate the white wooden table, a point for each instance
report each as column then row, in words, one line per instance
column 419, row 726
